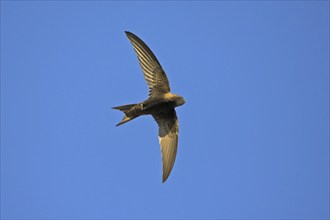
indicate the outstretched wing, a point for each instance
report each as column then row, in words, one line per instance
column 152, row 70
column 168, row 139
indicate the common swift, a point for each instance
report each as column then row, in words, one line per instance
column 160, row 104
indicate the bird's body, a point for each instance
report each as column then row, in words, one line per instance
column 152, row 106
column 160, row 104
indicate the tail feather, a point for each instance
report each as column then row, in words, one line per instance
column 124, row 108
column 124, row 120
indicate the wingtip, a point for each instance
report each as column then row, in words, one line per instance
column 128, row 33
column 164, row 179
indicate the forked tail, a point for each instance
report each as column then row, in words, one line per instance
column 124, row 108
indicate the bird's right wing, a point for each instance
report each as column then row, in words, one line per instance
column 168, row 139
column 153, row 72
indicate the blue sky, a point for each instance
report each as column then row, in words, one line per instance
column 254, row 133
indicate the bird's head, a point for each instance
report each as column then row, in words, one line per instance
column 179, row 101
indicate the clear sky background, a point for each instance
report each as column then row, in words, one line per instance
column 254, row 133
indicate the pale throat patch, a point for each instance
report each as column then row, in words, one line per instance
column 168, row 96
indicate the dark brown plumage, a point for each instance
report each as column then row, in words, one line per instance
column 160, row 103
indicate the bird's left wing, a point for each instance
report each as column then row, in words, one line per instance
column 152, row 70
column 168, row 139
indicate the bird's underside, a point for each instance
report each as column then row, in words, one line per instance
column 160, row 104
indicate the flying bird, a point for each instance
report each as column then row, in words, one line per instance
column 160, row 103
